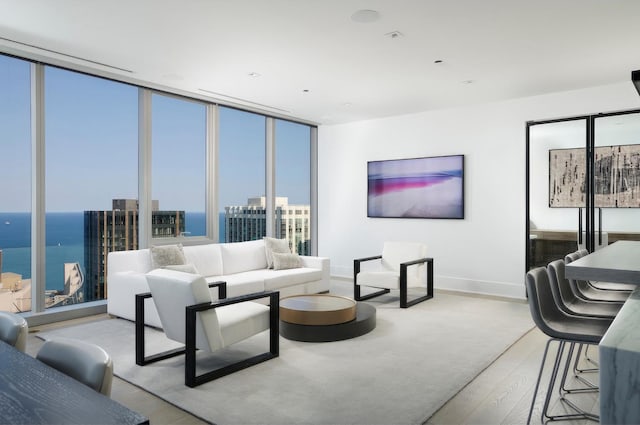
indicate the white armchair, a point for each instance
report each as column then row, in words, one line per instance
column 403, row 265
column 189, row 315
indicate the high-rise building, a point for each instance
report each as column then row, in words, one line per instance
column 249, row 222
column 117, row 230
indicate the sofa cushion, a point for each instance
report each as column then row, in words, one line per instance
column 379, row 279
column 272, row 246
column 124, row 261
column 185, row 268
column 285, row 261
column 276, row 279
column 242, row 283
column 239, row 257
column 206, row 258
column 167, row 255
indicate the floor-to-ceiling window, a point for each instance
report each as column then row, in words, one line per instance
column 69, row 163
column 91, row 163
column 241, row 175
column 178, row 167
column 15, row 185
column 292, row 185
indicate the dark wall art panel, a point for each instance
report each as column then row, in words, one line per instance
column 617, row 177
column 430, row 187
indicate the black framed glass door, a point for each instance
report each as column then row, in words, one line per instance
column 582, row 184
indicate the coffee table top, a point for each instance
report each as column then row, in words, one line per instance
column 317, row 309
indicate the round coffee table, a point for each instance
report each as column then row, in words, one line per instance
column 324, row 317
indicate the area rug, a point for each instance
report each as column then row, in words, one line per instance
column 402, row 372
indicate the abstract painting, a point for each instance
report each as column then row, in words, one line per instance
column 430, row 187
column 616, row 171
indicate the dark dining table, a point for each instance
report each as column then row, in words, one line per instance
column 619, row 349
column 32, row 392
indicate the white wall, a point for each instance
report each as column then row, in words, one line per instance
column 483, row 253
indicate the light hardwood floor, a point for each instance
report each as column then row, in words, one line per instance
column 501, row 394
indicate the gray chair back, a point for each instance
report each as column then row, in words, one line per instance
column 82, row 361
column 551, row 320
column 560, row 287
column 14, row 330
column 577, row 286
column 541, row 302
column 567, row 300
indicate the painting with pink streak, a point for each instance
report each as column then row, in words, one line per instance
column 431, row 187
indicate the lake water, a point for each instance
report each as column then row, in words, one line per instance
column 64, row 242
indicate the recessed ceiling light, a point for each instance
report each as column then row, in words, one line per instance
column 365, row 16
column 254, row 74
column 394, row 34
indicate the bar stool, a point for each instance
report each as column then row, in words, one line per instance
column 14, row 330
column 566, row 330
column 583, row 290
column 572, row 305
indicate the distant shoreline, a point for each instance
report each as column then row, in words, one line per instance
column 64, row 241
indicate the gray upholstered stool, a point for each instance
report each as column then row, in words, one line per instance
column 13, row 330
column 567, row 330
column 82, row 361
column 569, row 303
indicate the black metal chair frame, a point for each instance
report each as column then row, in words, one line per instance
column 189, row 349
column 404, row 303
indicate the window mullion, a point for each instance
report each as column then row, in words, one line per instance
column 270, row 179
column 144, row 168
column 38, row 234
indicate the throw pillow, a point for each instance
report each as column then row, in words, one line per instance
column 167, row 255
column 186, row 268
column 285, row 261
column 273, row 245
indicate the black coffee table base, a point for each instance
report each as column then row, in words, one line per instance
column 364, row 322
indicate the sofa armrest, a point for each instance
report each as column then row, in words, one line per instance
column 121, row 289
column 321, row 263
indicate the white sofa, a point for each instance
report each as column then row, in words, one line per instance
column 243, row 265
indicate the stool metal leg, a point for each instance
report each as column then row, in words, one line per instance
column 557, row 364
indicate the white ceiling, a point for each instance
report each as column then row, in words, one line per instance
column 352, row 70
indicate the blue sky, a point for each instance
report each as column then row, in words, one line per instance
column 92, row 155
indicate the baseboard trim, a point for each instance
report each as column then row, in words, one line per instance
column 69, row 312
